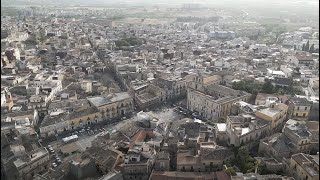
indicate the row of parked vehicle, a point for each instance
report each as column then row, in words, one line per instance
column 55, row 156
column 89, row 131
column 51, row 149
column 180, row 110
column 57, row 161
column 186, row 112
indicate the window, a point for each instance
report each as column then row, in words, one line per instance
column 298, row 108
column 305, row 108
column 297, row 114
column 304, row 114
column 162, row 165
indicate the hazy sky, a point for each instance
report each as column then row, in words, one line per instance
column 166, row 1
column 294, row 6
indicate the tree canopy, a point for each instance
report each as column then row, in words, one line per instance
column 243, row 160
column 267, row 87
column 131, row 41
column 248, row 86
column 231, row 171
column 307, row 47
column 312, row 50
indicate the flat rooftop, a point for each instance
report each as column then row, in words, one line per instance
column 38, row 154
column 270, row 112
column 221, row 127
column 105, row 100
column 145, row 97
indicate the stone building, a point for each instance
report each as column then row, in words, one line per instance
column 147, row 96
column 60, row 121
column 162, row 161
column 299, row 108
column 296, row 136
column 214, row 101
column 26, row 165
column 174, row 87
column 138, row 162
column 276, row 114
column 208, row 157
column 113, row 105
column 303, row 166
column 245, row 129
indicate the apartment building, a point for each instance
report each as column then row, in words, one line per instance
column 299, row 108
column 37, row 162
column 276, row 114
column 296, row 136
column 244, row 129
column 304, row 166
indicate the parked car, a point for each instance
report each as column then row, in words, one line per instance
column 54, row 165
column 58, row 160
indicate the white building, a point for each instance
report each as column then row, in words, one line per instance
column 273, row 73
column 245, row 128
